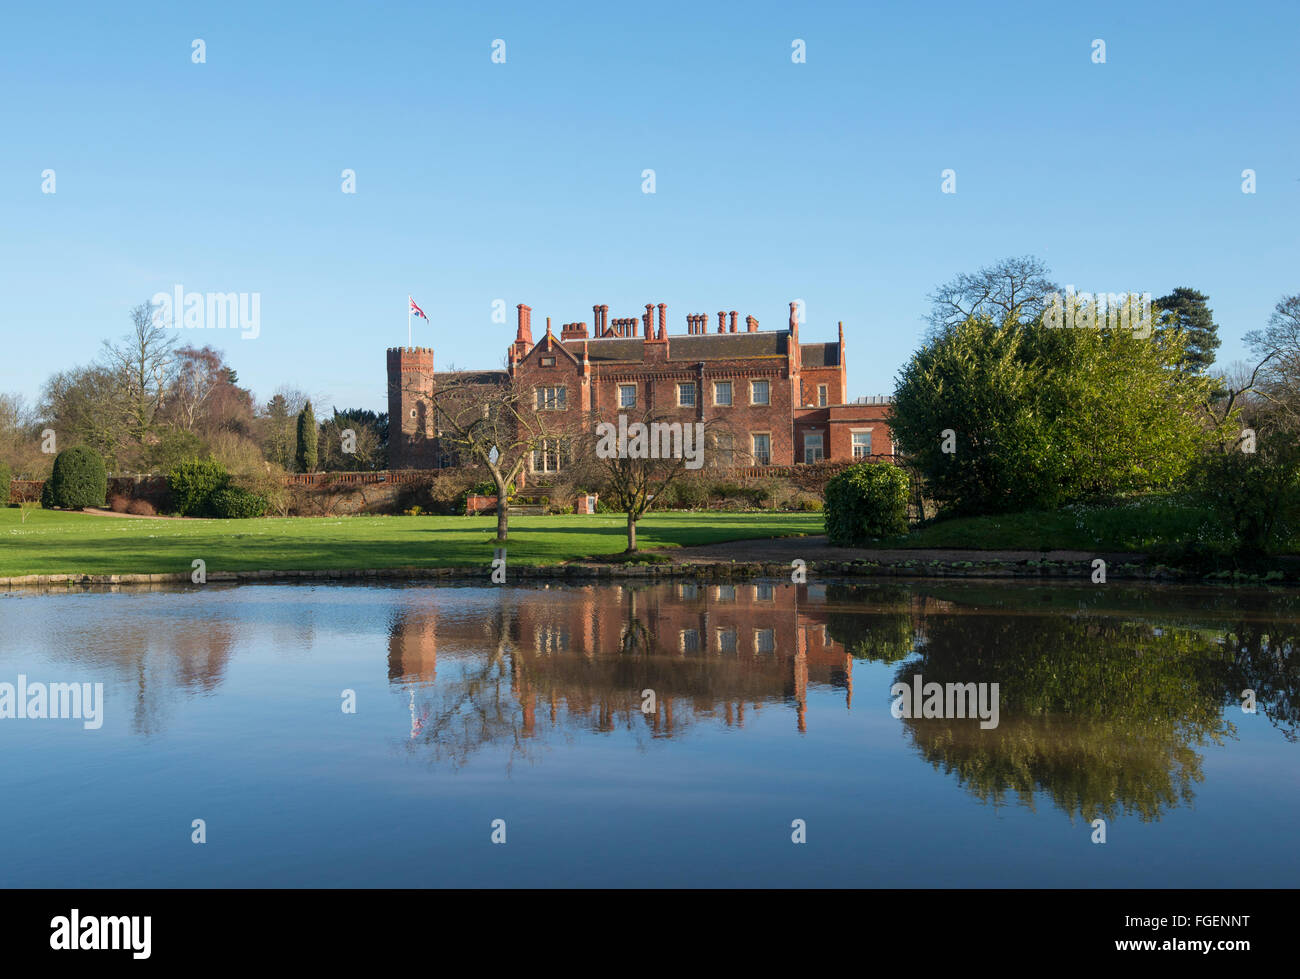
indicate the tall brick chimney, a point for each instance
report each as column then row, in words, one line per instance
column 524, row 336
column 648, row 320
column 751, row 325
column 794, row 321
column 734, row 314
column 722, row 322
column 663, row 321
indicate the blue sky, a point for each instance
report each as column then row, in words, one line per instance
column 522, row 181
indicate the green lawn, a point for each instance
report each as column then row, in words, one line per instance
column 1149, row 524
column 54, row 542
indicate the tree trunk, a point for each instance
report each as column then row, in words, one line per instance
column 631, row 533
column 503, row 508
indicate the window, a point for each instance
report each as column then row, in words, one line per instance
column 549, row 455
column 690, row 640
column 548, row 361
column 821, row 395
column 765, row 640
column 762, row 450
column 861, row 445
column 552, row 399
column 726, row 640
column 726, row 593
column 689, row 590
column 723, row 449
column 764, row 593
column 812, row 448
column 686, row 395
column 760, row 393
column 627, row 395
column 722, row 392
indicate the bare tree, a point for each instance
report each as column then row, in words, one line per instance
column 1016, row 287
column 1279, row 345
column 637, row 460
column 143, row 361
column 492, row 419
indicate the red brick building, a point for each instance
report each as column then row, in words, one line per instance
column 764, row 396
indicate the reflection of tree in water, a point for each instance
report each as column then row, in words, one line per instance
column 163, row 658
column 577, row 665
column 1100, row 713
column 873, row 622
column 1266, row 659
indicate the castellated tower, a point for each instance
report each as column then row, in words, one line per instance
column 410, row 414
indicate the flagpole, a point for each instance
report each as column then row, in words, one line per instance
column 409, row 300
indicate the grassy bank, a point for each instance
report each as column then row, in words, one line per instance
column 54, row 542
column 1156, row 525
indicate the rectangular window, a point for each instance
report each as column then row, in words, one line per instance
column 548, row 361
column 549, row 455
column 764, row 593
column 812, row 448
column 821, row 395
column 762, row 450
column 760, row 393
column 726, row 593
column 686, row 395
column 723, row 449
column 552, row 399
column 727, row 641
column 690, row 640
column 722, row 392
column 627, row 395
column 861, row 445
column 765, row 641
column 688, row 590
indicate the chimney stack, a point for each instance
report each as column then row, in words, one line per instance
column 525, row 333
column 722, row 322
column 751, row 324
column 734, row 314
column 648, row 320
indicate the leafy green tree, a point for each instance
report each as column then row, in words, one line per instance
column 278, row 445
column 1188, row 310
column 1018, row 416
column 307, row 440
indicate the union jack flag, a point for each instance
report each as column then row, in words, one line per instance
column 416, row 309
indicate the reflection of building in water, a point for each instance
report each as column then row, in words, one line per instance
column 584, row 655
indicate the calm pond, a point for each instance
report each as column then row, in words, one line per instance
column 653, row 735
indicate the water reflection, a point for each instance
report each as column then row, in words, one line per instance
column 1106, row 698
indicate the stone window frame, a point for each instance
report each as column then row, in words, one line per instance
column 821, row 446
column 559, row 400
column 764, row 381
column 621, row 389
column 753, row 448
column 758, row 648
column 731, row 395
column 682, row 385
column 853, row 445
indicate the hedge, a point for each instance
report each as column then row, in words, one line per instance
column 864, row 502
column 79, row 479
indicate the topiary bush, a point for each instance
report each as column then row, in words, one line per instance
column 866, row 501
column 193, row 483
column 79, row 479
column 233, row 503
